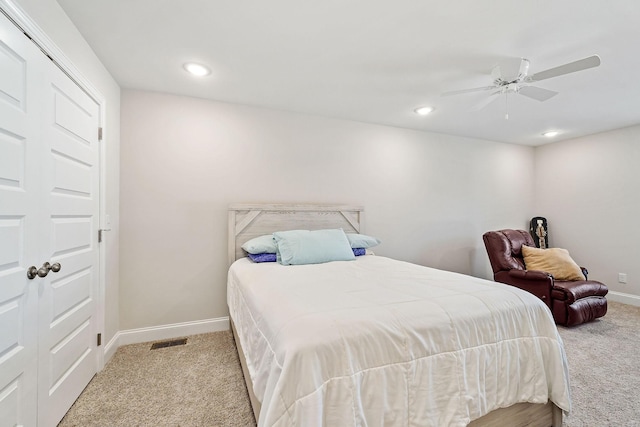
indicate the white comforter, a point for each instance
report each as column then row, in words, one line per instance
column 380, row 342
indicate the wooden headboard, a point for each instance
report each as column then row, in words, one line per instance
column 247, row 221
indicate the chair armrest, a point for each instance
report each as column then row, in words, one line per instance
column 538, row 283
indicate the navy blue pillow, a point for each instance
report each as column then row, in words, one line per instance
column 265, row 257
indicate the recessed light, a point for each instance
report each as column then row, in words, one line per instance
column 197, row 69
column 550, row 134
column 423, row 111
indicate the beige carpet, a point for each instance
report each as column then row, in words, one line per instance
column 200, row 383
column 604, row 367
column 197, row 384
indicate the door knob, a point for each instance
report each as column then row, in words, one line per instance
column 33, row 271
column 42, row 271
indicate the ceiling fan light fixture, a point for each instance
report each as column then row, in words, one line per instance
column 197, row 69
column 513, row 77
column 550, row 133
column 423, row 111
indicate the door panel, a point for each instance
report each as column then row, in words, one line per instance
column 12, row 151
column 13, row 82
column 11, row 231
column 75, row 112
column 67, row 351
column 21, row 85
column 71, row 177
column 70, row 292
column 70, row 234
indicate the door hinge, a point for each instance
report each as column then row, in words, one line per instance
column 99, row 134
column 99, row 339
column 101, row 233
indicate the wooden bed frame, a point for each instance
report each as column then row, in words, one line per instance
column 247, row 221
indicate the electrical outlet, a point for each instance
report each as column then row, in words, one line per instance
column 622, row 277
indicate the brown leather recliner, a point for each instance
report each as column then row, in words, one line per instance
column 571, row 302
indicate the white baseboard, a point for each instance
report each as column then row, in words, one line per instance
column 163, row 332
column 624, row 298
column 111, row 347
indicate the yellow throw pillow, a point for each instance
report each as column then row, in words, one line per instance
column 555, row 261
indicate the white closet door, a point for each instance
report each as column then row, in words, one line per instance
column 49, row 204
column 67, row 324
column 21, row 92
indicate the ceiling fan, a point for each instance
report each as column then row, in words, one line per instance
column 513, row 77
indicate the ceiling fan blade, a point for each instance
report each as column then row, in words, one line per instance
column 537, row 93
column 571, row 67
column 475, row 89
column 488, row 100
column 510, row 70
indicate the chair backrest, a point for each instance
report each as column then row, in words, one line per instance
column 504, row 248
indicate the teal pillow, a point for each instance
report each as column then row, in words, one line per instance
column 261, row 245
column 298, row 247
column 362, row 241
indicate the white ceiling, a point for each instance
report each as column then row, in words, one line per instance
column 375, row 61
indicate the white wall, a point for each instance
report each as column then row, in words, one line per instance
column 429, row 197
column 48, row 15
column 588, row 189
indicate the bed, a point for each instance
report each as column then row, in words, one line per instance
column 376, row 341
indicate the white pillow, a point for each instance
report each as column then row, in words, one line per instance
column 362, row 241
column 261, row 245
